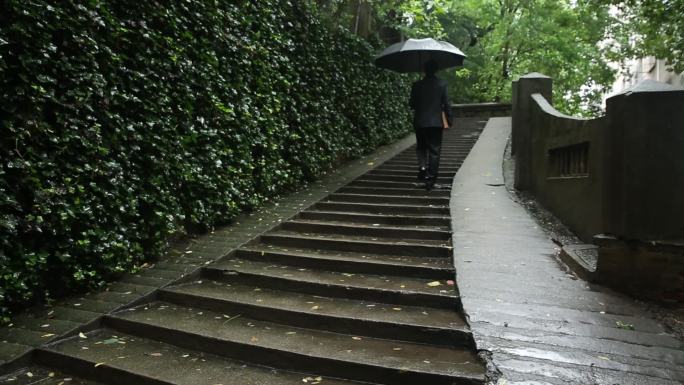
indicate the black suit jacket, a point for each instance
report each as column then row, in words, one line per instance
column 428, row 100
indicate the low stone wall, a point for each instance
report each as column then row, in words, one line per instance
column 566, row 168
column 620, row 174
column 644, row 269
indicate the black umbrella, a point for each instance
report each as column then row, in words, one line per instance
column 412, row 54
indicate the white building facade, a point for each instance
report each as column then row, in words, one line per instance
column 643, row 69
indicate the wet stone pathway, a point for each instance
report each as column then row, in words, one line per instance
column 539, row 322
column 357, row 287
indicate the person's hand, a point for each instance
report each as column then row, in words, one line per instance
column 445, row 122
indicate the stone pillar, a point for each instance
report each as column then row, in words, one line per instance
column 514, row 103
column 644, row 163
column 523, row 89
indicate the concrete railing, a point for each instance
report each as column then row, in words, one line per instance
column 621, row 174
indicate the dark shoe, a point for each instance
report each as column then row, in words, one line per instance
column 422, row 174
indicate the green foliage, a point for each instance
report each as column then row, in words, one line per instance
column 651, row 28
column 123, row 122
column 508, row 38
column 560, row 38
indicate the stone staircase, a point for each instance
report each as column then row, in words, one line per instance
column 356, row 288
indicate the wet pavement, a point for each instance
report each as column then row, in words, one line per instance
column 538, row 323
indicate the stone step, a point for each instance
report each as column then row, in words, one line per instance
column 429, row 222
column 361, row 286
column 418, row 267
column 10, row 351
column 369, row 230
column 139, row 360
column 360, row 245
column 406, row 173
column 37, row 375
column 362, row 236
column 443, row 158
column 93, row 306
column 276, row 345
column 138, row 279
column 402, row 185
column 403, row 163
column 127, row 288
column 393, row 191
column 446, row 156
column 401, row 178
column 21, row 336
column 388, row 199
column 332, row 314
column 43, row 325
column 70, row 314
column 412, row 169
column 382, row 208
column 159, row 272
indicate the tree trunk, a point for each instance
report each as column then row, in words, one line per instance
column 362, row 21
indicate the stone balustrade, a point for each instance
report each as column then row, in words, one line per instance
column 620, row 176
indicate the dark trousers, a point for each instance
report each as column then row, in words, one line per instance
column 428, row 147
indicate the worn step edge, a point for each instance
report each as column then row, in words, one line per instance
column 327, row 288
column 377, row 247
column 395, row 220
column 412, row 164
column 393, row 191
column 411, row 169
column 86, row 369
column 284, row 359
column 400, row 185
column 335, row 322
column 457, row 160
column 311, row 259
column 20, row 357
column 400, row 178
column 406, row 173
column 388, row 209
column 393, row 199
column 304, row 226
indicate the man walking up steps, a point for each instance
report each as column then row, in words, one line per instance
column 429, row 101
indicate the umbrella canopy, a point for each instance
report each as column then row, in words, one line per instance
column 412, row 54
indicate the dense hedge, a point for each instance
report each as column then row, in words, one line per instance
column 123, row 122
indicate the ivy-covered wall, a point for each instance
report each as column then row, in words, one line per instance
column 123, row 122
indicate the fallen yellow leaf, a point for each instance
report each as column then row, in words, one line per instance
column 434, row 283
